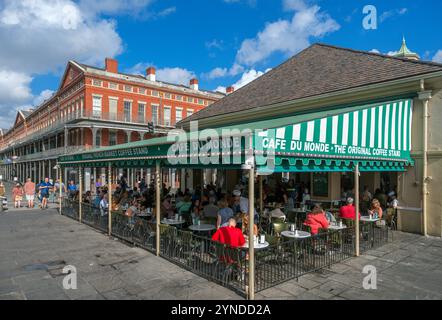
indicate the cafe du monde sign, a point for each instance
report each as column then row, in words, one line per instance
column 379, row 132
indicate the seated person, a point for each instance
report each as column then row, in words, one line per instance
column 376, row 209
column 245, row 225
column 348, row 211
column 316, row 219
column 230, row 235
column 134, row 209
column 184, row 205
column 166, row 207
column 277, row 213
column 211, row 210
column 224, row 214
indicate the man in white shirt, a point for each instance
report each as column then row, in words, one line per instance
column 104, row 205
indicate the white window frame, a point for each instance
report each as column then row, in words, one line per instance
column 167, row 122
column 144, row 104
column 130, row 110
column 156, row 119
column 179, row 111
column 116, row 114
column 94, row 111
column 189, row 112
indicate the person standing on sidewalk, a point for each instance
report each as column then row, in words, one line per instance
column 17, row 195
column 45, row 187
column 30, row 192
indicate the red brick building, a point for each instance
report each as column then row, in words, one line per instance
column 95, row 107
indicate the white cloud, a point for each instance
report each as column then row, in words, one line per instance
column 291, row 5
column 42, row 97
column 215, row 44
column 391, row 13
column 40, row 36
column 166, row 12
column 175, row 75
column 287, row 36
column 246, row 78
column 437, row 57
column 14, row 87
column 223, row 72
column 391, row 53
column 113, row 7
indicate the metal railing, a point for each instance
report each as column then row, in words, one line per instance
column 282, row 261
column 93, row 217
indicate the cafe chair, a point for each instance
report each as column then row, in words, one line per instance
column 278, row 227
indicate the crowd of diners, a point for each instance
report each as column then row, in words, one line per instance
column 227, row 210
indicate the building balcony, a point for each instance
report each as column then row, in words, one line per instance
column 33, row 134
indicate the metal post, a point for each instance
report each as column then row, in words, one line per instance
column 158, row 204
column 80, row 196
column 110, row 199
column 357, row 209
column 60, row 175
column 261, row 200
column 251, row 233
column 424, row 167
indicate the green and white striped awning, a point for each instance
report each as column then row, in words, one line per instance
column 379, row 132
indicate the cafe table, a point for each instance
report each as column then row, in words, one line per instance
column 337, row 227
column 173, row 222
column 368, row 219
column 293, row 234
column 257, row 246
column 202, row 227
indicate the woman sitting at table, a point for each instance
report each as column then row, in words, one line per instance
column 166, row 207
column 224, row 214
column 245, row 225
column 133, row 210
column 184, row 205
column 375, row 208
column 316, row 220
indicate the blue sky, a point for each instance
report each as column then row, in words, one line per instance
column 221, row 42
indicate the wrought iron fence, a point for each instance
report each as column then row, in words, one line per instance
column 283, row 260
column 214, row 261
column 93, row 217
column 69, row 208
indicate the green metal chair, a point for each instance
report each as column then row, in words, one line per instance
column 278, row 227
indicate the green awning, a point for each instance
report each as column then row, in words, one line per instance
column 378, row 137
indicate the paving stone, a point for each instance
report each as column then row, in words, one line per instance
column 15, row 295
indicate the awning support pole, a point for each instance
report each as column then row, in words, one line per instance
column 251, row 233
column 261, row 200
column 80, row 193
column 60, row 178
column 357, row 209
column 158, row 204
column 109, row 226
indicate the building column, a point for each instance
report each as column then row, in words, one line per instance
column 66, row 139
column 94, row 137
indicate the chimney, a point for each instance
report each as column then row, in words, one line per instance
column 230, row 90
column 150, row 74
column 111, row 65
column 194, row 84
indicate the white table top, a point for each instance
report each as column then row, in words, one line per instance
column 367, row 219
column 291, row 234
column 334, row 227
column 256, row 246
column 202, row 227
column 172, row 222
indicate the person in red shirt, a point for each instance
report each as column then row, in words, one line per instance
column 348, row 211
column 230, row 235
column 316, row 219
